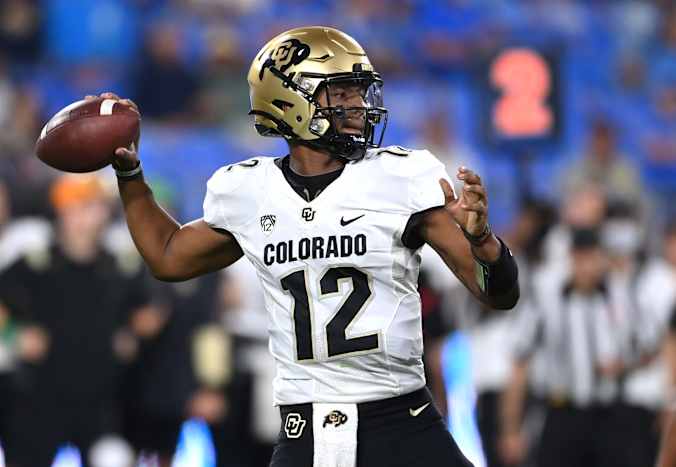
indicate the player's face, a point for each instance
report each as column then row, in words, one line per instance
column 348, row 95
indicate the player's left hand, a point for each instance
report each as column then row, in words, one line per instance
column 470, row 209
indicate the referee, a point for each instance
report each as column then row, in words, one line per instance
column 569, row 322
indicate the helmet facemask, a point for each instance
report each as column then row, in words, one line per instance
column 327, row 119
column 348, row 131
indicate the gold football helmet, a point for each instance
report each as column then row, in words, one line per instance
column 286, row 77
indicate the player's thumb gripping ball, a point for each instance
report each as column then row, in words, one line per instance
column 83, row 136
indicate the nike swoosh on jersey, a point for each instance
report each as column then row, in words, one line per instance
column 343, row 222
column 418, row 411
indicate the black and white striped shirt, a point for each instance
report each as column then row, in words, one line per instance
column 571, row 335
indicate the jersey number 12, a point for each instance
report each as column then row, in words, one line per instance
column 352, row 305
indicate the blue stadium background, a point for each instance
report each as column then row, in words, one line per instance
column 185, row 61
column 613, row 64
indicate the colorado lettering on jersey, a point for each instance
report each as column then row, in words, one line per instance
column 315, row 248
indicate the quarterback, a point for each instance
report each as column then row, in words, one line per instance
column 334, row 230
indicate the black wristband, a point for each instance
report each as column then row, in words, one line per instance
column 499, row 278
column 478, row 240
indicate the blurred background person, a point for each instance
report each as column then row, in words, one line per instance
column 601, row 164
column 246, row 319
column 165, row 380
column 162, row 73
column 640, row 336
column 582, row 208
column 70, row 302
column 570, row 322
column 165, row 383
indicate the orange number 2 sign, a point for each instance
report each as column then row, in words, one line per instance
column 524, row 80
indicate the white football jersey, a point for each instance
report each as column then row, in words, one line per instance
column 340, row 287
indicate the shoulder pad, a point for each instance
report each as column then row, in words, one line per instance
column 225, row 205
column 405, row 162
column 231, row 177
column 415, row 172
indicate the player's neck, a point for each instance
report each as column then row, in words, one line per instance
column 309, row 162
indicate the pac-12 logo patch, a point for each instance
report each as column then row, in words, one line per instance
column 293, row 426
column 268, row 223
column 335, row 418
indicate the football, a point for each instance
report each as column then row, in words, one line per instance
column 83, row 136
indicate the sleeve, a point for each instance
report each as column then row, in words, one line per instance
column 230, row 201
column 424, row 190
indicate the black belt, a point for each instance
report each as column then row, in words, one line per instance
column 373, row 410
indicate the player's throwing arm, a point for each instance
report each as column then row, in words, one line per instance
column 172, row 251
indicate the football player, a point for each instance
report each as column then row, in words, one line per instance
column 334, row 230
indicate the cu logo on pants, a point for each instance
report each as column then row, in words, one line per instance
column 294, row 425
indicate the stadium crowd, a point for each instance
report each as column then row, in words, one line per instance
column 92, row 348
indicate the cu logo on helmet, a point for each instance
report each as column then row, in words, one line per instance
column 294, row 425
column 335, row 418
column 290, row 52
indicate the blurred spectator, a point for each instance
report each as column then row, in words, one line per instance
column 583, row 208
column 526, row 238
column 640, row 399
column 70, row 301
column 246, row 319
column 601, row 164
column 651, row 389
column 224, row 91
column 656, row 286
column 21, row 30
column 19, row 236
column 162, row 387
column 164, row 87
column 489, row 334
column 6, row 94
column 570, row 322
column 26, row 177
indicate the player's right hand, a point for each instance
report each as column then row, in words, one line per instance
column 125, row 158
